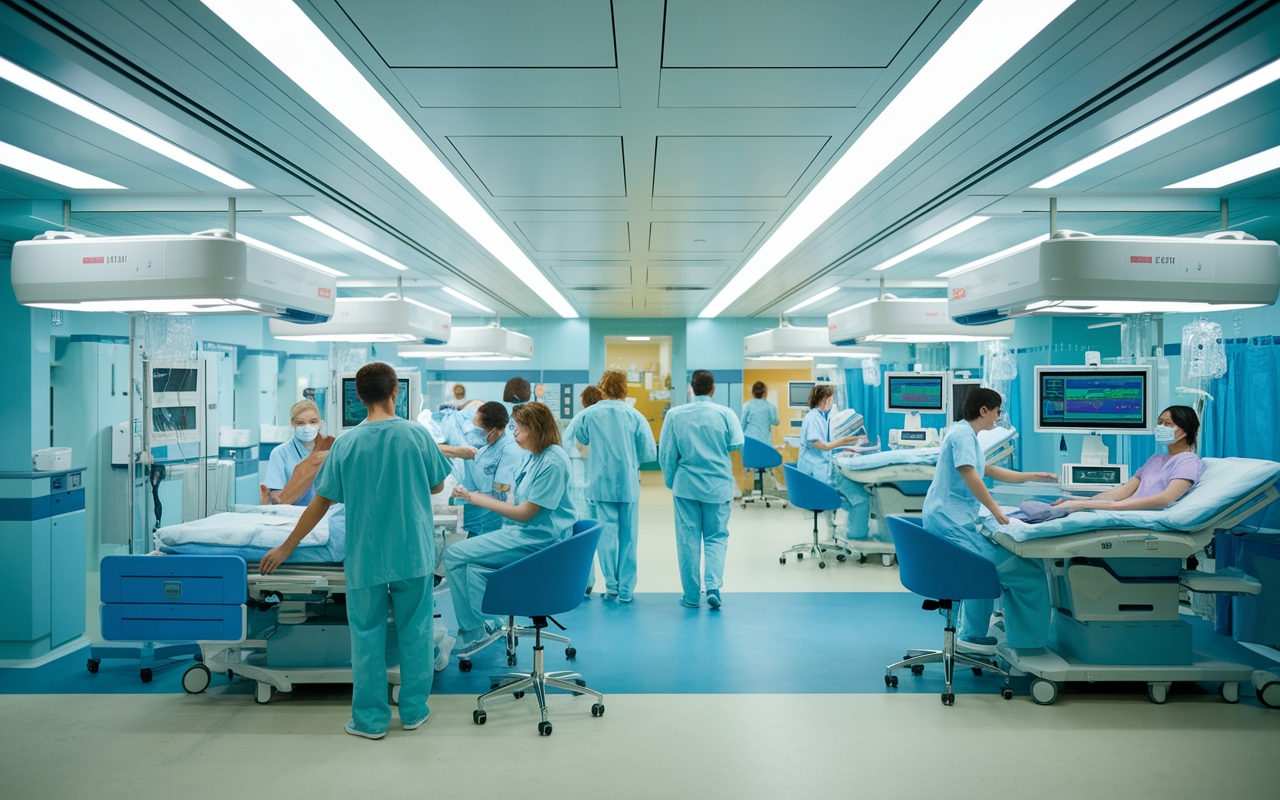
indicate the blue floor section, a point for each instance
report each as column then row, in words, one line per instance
column 759, row 643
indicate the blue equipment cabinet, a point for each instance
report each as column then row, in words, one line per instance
column 167, row 599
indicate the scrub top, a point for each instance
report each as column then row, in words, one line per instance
column 696, row 440
column 620, row 440
column 812, row 461
column 758, row 418
column 544, row 480
column 284, row 459
column 497, row 463
column 383, row 471
column 950, row 509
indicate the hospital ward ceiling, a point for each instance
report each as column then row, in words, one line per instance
column 638, row 152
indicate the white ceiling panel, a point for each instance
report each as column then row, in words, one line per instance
column 576, row 237
column 488, row 33
column 505, row 87
column 797, row 33
column 686, row 274
column 545, row 166
column 732, row 166
column 765, row 88
column 592, row 274
column 701, row 237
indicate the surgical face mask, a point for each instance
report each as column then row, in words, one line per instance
column 1165, row 434
column 306, row 433
column 476, row 437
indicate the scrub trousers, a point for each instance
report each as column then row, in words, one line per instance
column 617, row 550
column 702, row 539
column 411, row 602
column 1023, row 586
column 468, row 564
column 856, row 503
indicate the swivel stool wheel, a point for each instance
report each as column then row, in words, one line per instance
column 1006, row 693
column 479, row 717
column 93, row 665
column 597, row 710
column 891, row 681
column 917, row 669
column 544, row 728
column 146, row 674
column 571, row 652
column 948, row 699
column 465, row 665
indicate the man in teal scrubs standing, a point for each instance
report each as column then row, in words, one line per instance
column 381, row 471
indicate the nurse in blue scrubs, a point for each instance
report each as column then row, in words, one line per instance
column 294, row 465
column 492, row 468
column 539, row 514
column 815, row 460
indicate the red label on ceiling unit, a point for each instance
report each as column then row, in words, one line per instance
column 957, row 294
column 325, row 293
column 1139, row 259
column 93, row 260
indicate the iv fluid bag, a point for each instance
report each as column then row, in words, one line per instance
column 1203, row 353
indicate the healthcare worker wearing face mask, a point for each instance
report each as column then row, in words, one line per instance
column 491, row 471
column 952, row 510
column 620, row 440
column 1166, row 477
column 382, row 470
column 539, row 513
column 816, row 446
column 292, row 470
column 696, row 440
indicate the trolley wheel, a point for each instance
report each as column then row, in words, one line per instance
column 511, row 660
column 1230, row 692
column 544, row 728
column 948, row 699
column 886, row 559
column 784, row 505
column 196, row 679
column 744, row 505
column 1044, row 691
column 917, row 669
column 146, row 674
column 1157, row 693
column 766, row 505
column 395, row 694
column 862, row 559
column 262, row 693
column 822, row 565
column 781, row 560
column 465, row 665
column 571, row 652
column 1269, row 694
column 1006, row 693
column 479, row 717
column 891, row 681
column 799, row 556
column 93, row 665
column 841, row 557
column 597, row 710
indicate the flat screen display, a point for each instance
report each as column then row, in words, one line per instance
column 174, row 380
column 354, row 412
column 798, row 393
column 917, row 393
column 959, row 394
column 1092, row 400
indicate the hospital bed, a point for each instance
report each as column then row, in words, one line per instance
column 294, row 627
column 1114, row 585
column 898, row 480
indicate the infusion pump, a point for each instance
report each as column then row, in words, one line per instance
column 1093, row 477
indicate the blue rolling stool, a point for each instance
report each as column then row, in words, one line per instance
column 759, row 457
column 813, row 495
column 548, row 582
column 934, row 567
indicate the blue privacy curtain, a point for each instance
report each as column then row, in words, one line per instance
column 1241, row 418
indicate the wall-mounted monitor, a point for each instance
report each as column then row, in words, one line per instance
column 353, row 412
column 916, row 392
column 798, row 393
column 1110, row 399
column 960, row 389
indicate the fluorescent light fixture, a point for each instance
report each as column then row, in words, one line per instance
column 355, row 244
column 1192, row 111
column 638, row 338
column 78, row 105
column 992, row 34
column 210, row 305
column 306, row 262
column 49, row 170
column 932, row 242
column 1234, row 172
column 459, row 295
column 1008, row 251
column 819, row 296
column 289, row 39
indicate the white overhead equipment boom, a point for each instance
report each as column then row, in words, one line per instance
column 911, row 319
column 490, row 343
column 1120, row 275
column 788, row 342
column 372, row 319
column 204, row 273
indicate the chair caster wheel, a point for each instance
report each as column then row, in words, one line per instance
column 146, row 675
column 917, row 669
column 544, row 728
column 976, row 670
column 93, row 665
column 891, row 681
column 511, row 660
column 465, row 665
column 1006, row 693
column 841, row 557
column 570, row 652
column 766, row 505
column 822, row 565
column 597, row 710
column 580, row 682
column 799, row 556
column 517, row 695
column 479, row 717
column 948, row 699
column 781, row 560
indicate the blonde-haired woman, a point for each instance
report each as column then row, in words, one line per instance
column 291, row 472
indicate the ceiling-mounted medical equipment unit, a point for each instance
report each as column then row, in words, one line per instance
column 203, row 273
column 917, row 320
column 372, row 319
column 788, row 343
column 1076, row 273
column 490, row 343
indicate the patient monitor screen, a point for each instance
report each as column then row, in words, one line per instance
column 798, row 393
column 354, row 412
column 960, row 391
column 1092, row 400
column 922, row 393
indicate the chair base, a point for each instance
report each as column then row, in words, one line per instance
column 817, row 548
column 949, row 657
column 513, row 633
column 758, row 495
column 538, row 681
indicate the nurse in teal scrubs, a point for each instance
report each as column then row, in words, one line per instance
column 292, row 469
